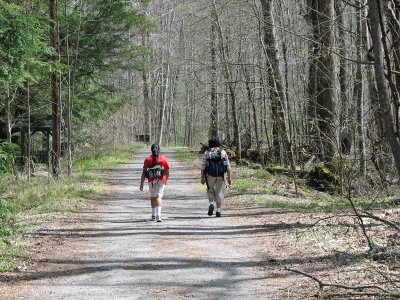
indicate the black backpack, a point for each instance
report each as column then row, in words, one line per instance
column 216, row 164
column 155, row 171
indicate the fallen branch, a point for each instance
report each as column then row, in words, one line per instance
column 322, row 284
column 385, row 221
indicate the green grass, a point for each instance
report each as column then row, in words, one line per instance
column 188, row 157
column 278, row 192
column 45, row 195
column 8, row 256
column 109, row 159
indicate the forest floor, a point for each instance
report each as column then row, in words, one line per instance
column 110, row 249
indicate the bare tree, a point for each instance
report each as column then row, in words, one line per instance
column 326, row 107
column 214, row 96
column 227, row 71
column 377, row 31
column 277, row 92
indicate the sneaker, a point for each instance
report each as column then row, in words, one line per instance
column 211, row 209
column 153, row 218
column 158, row 219
column 218, row 214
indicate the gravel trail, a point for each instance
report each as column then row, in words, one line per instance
column 114, row 251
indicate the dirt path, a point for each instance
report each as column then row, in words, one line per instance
column 112, row 250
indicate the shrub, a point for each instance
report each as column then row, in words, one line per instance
column 8, row 222
column 8, row 152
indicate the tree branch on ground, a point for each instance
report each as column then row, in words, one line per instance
column 384, row 292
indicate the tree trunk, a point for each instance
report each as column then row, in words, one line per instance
column 311, row 128
column 214, row 98
column 28, row 134
column 251, row 101
column 230, row 85
column 55, row 92
column 357, row 95
column 326, row 108
column 345, row 137
column 277, row 93
column 69, row 103
column 383, row 97
column 8, row 115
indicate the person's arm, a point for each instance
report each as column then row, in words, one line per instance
column 166, row 175
column 228, row 169
column 145, row 166
column 142, row 180
column 203, row 168
column 203, row 177
column 228, row 176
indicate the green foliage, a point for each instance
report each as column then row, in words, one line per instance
column 8, row 223
column 100, row 44
column 102, row 41
column 8, row 256
column 22, row 45
column 8, row 152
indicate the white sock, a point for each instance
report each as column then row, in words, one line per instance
column 158, row 211
column 211, row 203
column 219, row 209
column 153, row 211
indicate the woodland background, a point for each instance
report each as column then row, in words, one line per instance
column 299, row 82
column 307, row 89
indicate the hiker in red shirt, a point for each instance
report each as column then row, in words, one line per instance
column 156, row 170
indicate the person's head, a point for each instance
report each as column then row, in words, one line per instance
column 155, row 150
column 214, row 142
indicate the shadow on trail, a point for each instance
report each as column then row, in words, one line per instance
column 166, row 264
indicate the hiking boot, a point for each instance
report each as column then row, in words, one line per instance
column 218, row 214
column 211, row 209
column 153, row 218
column 158, row 219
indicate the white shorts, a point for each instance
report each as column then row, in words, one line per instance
column 156, row 189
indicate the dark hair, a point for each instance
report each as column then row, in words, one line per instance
column 155, row 145
column 155, row 152
column 214, row 142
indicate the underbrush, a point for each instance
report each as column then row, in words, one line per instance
column 45, row 194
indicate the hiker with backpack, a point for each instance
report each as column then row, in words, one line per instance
column 156, row 170
column 214, row 165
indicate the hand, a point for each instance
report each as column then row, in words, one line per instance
column 141, row 187
column 203, row 180
column 229, row 181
